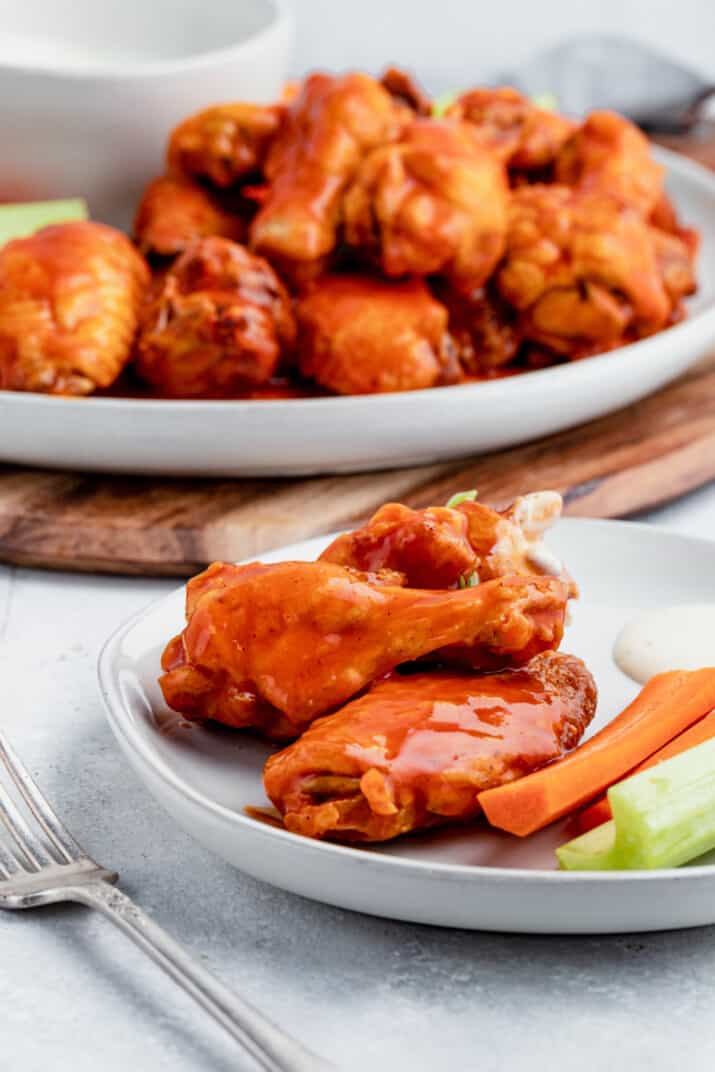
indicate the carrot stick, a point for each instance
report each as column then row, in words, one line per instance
column 600, row 811
column 666, row 706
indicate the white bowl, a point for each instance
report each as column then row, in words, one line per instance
column 89, row 90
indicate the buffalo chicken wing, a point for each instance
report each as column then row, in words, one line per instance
column 582, row 270
column 220, row 321
column 359, row 335
column 452, row 547
column 70, row 297
column 521, row 134
column 435, row 201
column 174, row 211
column 416, row 750
column 330, row 125
column 225, row 143
column 609, row 154
column 275, row 646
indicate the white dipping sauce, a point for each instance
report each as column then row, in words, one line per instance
column 670, row 638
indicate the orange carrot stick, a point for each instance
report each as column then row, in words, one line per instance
column 600, row 811
column 666, row 706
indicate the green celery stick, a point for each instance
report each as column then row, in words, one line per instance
column 20, row 220
column 662, row 817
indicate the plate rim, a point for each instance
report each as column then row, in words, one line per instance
column 122, row 726
column 694, row 172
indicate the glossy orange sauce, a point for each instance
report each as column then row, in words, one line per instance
column 424, row 724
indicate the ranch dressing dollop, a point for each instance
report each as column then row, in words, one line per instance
column 669, row 638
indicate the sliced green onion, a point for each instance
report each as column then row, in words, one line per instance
column 662, row 817
column 444, row 101
column 462, row 496
column 547, row 101
column 21, row 220
column 469, row 581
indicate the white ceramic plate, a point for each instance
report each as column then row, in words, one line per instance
column 466, row 877
column 300, row 436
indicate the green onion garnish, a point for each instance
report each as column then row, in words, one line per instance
column 462, row 496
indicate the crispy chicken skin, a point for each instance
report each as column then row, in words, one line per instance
column 275, row 646
column 69, row 304
column 174, row 211
column 449, row 547
column 416, row 750
column 581, row 269
column 330, row 125
column 225, row 143
column 524, row 136
column 609, row 154
column 436, row 201
column 360, row 335
column 220, row 321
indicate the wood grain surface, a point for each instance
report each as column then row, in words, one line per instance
column 634, row 459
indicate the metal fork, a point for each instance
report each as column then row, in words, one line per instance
column 41, row 864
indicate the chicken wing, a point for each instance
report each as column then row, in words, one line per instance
column 360, row 335
column 609, row 154
column 221, row 320
column 329, row 127
column 403, row 87
column 70, row 296
column 581, row 269
column 443, row 547
column 484, row 328
column 521, row 134
column 677, row 268
column 174, row 211
column 224, row 143
column 436, row 201
column 416, row 750
column 275, row 646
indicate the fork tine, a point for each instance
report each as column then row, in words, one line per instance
column 18, row 829
column 8, row 864
column 38, row 804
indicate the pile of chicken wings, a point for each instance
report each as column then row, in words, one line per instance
column 413, row 665
column 348, row 239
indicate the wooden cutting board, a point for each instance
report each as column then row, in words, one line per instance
column 632, row 460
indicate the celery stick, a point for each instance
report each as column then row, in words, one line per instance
column 20, row 220
column 662, row 817
column 593, row 851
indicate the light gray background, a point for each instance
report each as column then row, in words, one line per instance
column 454, row 42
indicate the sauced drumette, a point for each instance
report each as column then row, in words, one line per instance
column 328, row 128
column 433, row 202
column 275, row 646
column 416, row 750
column 220, row 320
column 70, row 296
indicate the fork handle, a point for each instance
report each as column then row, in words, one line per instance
column 271, row 1047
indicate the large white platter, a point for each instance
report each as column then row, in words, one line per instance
column 466, row 877
column 320, row 435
